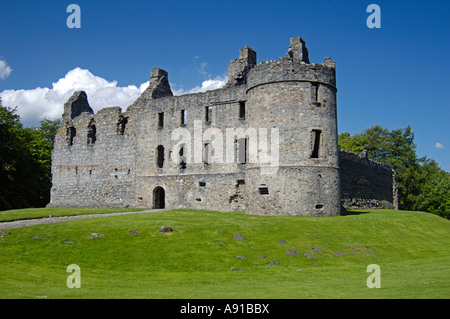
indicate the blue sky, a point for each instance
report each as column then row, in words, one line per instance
column 393, row 76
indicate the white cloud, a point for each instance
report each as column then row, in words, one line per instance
column 439, row 145
column 143, row 86
column 211, row 84
column 36, row 104
column 5, row 70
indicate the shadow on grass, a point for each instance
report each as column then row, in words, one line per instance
column 345, row 212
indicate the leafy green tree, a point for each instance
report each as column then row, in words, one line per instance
column 435, row 196
column 48, row 129
column 17, row 164
column 25, row 161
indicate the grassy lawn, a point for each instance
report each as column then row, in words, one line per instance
column 199, row 258
column 30, row 213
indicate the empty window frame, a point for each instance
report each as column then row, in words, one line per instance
column 208, row 114
column 206, row 155
column 183, row 117
column 202, row 184
column 242, row 151
column 71, row 133
column 160, row 119
column 263, row 190
column 160, row 156
column 182, row 158
column 314, row 92
column 92, row 133
column 241, row 110
column 121, row 124
column 316, row 136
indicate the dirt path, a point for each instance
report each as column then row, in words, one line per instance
column 48, row 220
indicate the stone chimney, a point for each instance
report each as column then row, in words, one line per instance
column 297, row 51
column 159, row 85
column 238, row 68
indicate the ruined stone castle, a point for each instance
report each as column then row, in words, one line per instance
column 283, row 109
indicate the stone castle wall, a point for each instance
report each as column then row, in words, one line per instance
column 366, row 184
column 98, row 173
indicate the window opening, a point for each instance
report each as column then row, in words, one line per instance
column 160, row 156
column 92, row 133
column 160, row 119
column 71, row 132
column 183, row 118
column 242, row 110
column 206, row 154
column 242, row 150
column 315, row 143
column 208, row 113
column 121, row 124
column 182, row 158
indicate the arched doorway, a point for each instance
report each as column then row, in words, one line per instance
column 159, row 197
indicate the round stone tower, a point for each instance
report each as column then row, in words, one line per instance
column 295, row 100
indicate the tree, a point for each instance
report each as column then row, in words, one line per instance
column 48, row 129
column 25, row 161
column 435, row 197
column 16, row 163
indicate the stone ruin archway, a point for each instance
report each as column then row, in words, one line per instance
column 159, row 197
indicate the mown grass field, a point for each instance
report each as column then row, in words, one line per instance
column 199, row 258
column 30, row 213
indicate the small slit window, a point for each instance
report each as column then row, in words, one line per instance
column 92, row 133
column 242, row 151
column 71, row 133
column 263, row 190
column 202, row 184
column 160, row 156
column 314, row 92
column 183, row 117
column 208, row 114
column 160, row 119
column 316, row 134
column 206, row 154
column 121, row 125
column 182, row 158
column 242, row 110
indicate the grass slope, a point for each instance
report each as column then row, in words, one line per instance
column 198, row 259
column 30, row 213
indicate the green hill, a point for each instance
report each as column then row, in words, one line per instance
column 273, row 257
